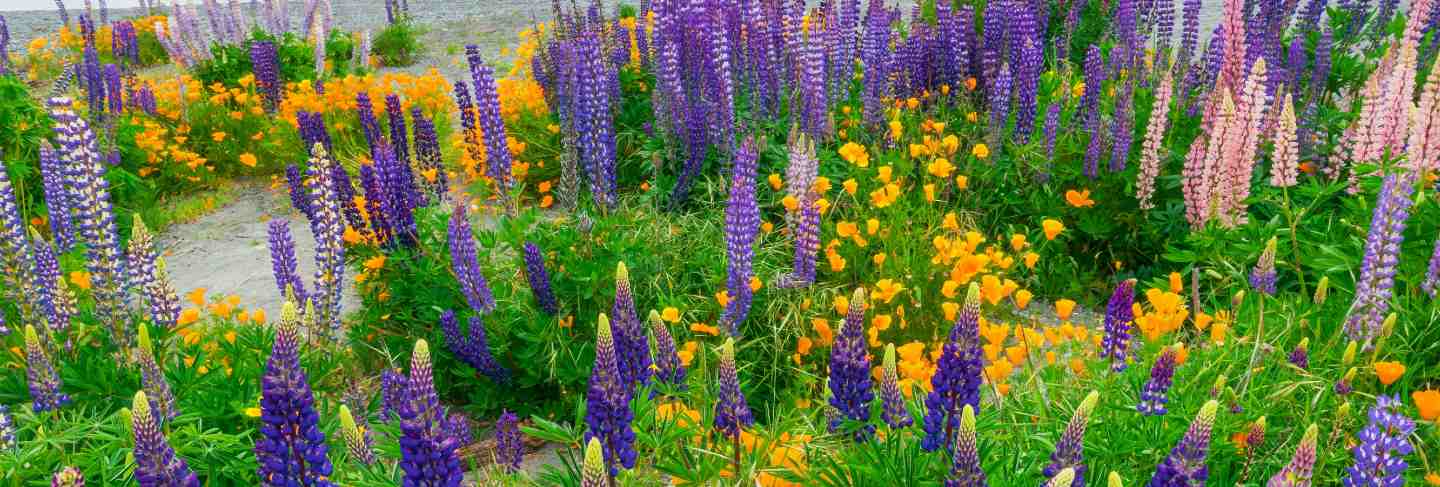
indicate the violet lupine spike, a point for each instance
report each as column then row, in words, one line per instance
column 895, row 413
column 140, row 255
column 1027, row 61
column 328, row 229
column 1432, row 274
column 64, row 14
column 79, row 153
column 815, row 118
column 1185, row 466
column 58, row 197
column 1320, row 76
column 399, row 140
column 1119, row 317
column 114, row 90
column 427, row 452
column 807, row 245
column 152, row 379
column 850, row 389
column 156, row 464
column 742, row 226
column 1302, row 463
column 632, row 349
column 356, row 441
column 1052, row 130
column 1122, row 130
column 593, row 122
column 1384, row 444
column 965, row 470
column 509, row 450
column 1156, row 394
column 44, row 382
column 607, row 400
column 392, row 393
column 265, row 62
column 161, row 299
column 291, row 448
column 50, row 303
column 539, row 279
column 668, row 367
column 427, row 155
column 466, row 262
column 15, row 253
column 1262, row 277
column 1069, row 452
column 295, row 183
column 282, row 262
column 473, row 349
column 957, row 377
column 487, row 103
column 731, row 412
column 1300, row 356
column 1375, row 286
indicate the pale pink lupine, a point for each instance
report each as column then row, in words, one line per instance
column 1193, row 183
column 1154, row 140
column 1232, row 65
column 1240, row 151
column 1423, row 149
column 1285, row 160
column 1204, row 165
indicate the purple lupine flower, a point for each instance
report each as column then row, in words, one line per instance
column 91, row 72
column 114, row 90
column 1000, row 103
column 427, row 452
column 1295, row 64
column 45, row 384
column 295, row 183
column 875, row 57
column 312, row 130
column 357, row 442
column 15, row 253
column 1262, row 277
column 265, row 62
column 59, row 195
column 52, row 306
column 607, row 403
column 283, row 263
column 850, row 388
column 140, row 255
column 539, row 279
column 291, row 449
column 163, row 303
column 1185, row 465
column 1069, row 452
column 742, row 226
column 4, row 46
column 668, row 367
column 1164, row 17
column 815, row 118
column 79, row 153
column 593, row 122
column 1052, row 129
column 1122, row 129
column 632, row 349
column 1119, row 316
column 427, row 154
column 397, row 197
column 731, row 412
column 369, row 125
column 392, row 393
column 1342, row 387
column 807, row 244
column 1432, row 274
column 473, row 349
column 1382, row 255
column 455, row 428
column 399, row 141
column 466, row 263
column 64, row 14
column 328, row 229
column 1320, row 76
column 152, row 379
column 156, row 464
column 1384, row 443
column 993, row 42
column 895, row 413
column 65, row 477
column 965, row 471
column 1094, row 81
column 1027, row 61
column 1300, row 356
column 958, row 372
column 1297, row 472
column 487, row 103
column 1157, row 390
column 509, row 450
column 7, row 430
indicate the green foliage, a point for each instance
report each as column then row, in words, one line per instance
column 398, row 44
column 230, row 62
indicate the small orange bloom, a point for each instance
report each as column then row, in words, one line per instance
column 1389, row 372
column 1428, row 402
column 1079, row 199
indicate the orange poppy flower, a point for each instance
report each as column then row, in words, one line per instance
column 1389, row 372
column 1079, row 199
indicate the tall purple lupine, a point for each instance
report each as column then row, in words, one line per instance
column 607, row 403
column 399, row 140
column 427, row 453
column 509, row 450
column 15, row 253
column 291, row 449
column 487, row 103
column 152, row 378
column 295, row 183
column 1302, row 463
column 632, row 348
column 92, row 74
column 1090, row 110
column 156, row 464
column 742, row 226
column 79, row 153
column 1164, row 31
column 59, row 196
column 327, row 228
column 44, row 382
column 895, row 412
column 4, row 46
column 114, row 89
column 64, row 14
column 1070, row 450
column 594, row 125
column 1027, row 59
column 965, row 470
column 815, row 118
column 265, row 62
column 993, row 42
column 957, row 377
column 473, row 349
column 466, row 262
column 427, row 155
column 1384, row 443
column 539, row 279
column 1156, row 394
column 1119, row 317
column 1185, row 466
column 850, row 387
column 731, row 412
column 1122, row 126
column 1432, row 274
column 800, row 177
column 282, row 261
column 1374, row 288
column 668, row 367
column 1320, row 76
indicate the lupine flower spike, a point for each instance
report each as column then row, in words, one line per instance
column 895, row 413
column 1069, row 454
column 1297, row 472
column 155, row 462
column 473, row 349
column 1375, row 286
column 1300, row 356
column 1119, row 316
column 356, row 441
column 632, row 348
column 607, row 403
column 1384, row 443
column 1186, row 464
column 68, row 477
column 427, row 450
column 956, row 382
column 152, row 379
column 465, row 261
column 668, row 367
column 7, row 430
column 966, row 471
column 1155, row 396
column 1254, row 440
column 1066, row 478
column 731, row 412
column 539, row 279
column 509, row 450
column 291, row 449
column 1262, row 277
column 45, row 385
column 850, row 388
column 593, row 473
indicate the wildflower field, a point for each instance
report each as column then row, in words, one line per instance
column 732, row 243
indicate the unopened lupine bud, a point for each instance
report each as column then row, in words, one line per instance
column 1349, row 356
column 1322, row 290
column 355, row 440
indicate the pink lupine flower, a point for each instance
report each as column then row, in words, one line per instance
column 1285, row 160
column 1154, row 140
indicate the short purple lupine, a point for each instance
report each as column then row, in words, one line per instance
column 45, row 384
column 1156, row 394
column 742, row 226
column 152, row 379
column 1122, row 133
column 1384, row 443
column 607, row 403
column 965, row 471
column 632, row 348
column 466, row 262
column 1069, row 452
column 427, row 452
column 731, row 412
column 1300, row 356
column 509, row 450
column 392, row 393
column 539, row 279
column 265, row 63
column 1185, row 466
column 1262, row 277
column 7, row 430
column 156, row 464
column 1432, row 274
column 668, row 367
column 1119, row 317
column 957, row 378
column 282, row 261
column 895, row 412
column 850, row 387
column 1302, row 464
column 1374, row 288
column 487, row 103
column 291, row 448
column 473, row 349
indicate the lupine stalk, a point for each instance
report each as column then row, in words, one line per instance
column 957, row 377
column 1119, row 317
column 291, row 449
column 1384, row 443
column 539, row 279
column 44, row 381
column 895, row 412
column 427, row 452
column 156, row 464
column 487, row 101
column 966, row 471
column 465, row 261
column 1185, row 466
column 59, row 196
column 509, row 450
column 1069, row 452
column 266, row 65
column 1262, row 277
column 79, row 153
column 1382, row 255
column 282, row 261
column 1297, row 472
column 328, row 230
column 632, row 349
column 607, row 411
column 392, row 393
column 152, row 379
column 473, row 349
column 1151, row 157
column 427, row 155
column 593, row 472
column 1156, row 395
column 1300, row 356
column 742, row 225
column 356, row 441
column 850, row 387
column 731, row 412
column 1285, row 160
column 668, row 367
